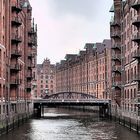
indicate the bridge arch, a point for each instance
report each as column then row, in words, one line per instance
column 69, row 95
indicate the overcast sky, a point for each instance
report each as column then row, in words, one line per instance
column 64, row 26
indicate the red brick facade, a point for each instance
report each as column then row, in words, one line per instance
column 18, row 39
column 86, row 72
column 125, row 28
column 45, row 75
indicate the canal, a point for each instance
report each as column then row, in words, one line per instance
column 64, row 124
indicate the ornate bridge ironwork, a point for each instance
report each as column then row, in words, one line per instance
column 71, row 99
column 70, row 96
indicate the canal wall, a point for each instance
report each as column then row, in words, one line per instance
column 11, row 120
column 9, row 123
column 129, row 120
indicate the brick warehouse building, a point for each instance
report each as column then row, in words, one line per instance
column 125, row 28
column 45, row 79
column 18, row 50
column 86, row 72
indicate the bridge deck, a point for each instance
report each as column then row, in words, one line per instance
column 90, row 102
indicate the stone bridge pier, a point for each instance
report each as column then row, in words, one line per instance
column 37, row 110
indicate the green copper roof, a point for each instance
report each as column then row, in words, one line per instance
column 112, row 8
column 112, row 19
column 25, row 5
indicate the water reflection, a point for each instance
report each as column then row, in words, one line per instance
column 62, row 124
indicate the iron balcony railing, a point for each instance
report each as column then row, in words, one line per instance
column 31, row 65
column 31, row 31
column 116, row 83
column 115, row 34
column 16, row 53
column 136, row 37
column 135, row 4
column 16, row 67
column 16, row 7
column 16, row 38
column 116, row 68
column 30, row 54
column 137, row 54
column 31, row 42
column 16, row 21
column 29, row 75
column 15, row 81
column 136, row 21
column 115, row 23
column 117, row 94
column 116, row 46
column 116, row 56
column 28, row 87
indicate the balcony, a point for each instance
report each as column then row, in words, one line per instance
column 115, row 23
column 116, row 57
column 116, row 69
column 136, row 38
column 30, row 55
column 15, row 67
column 28, row 87
column 115, row 34
column 15, row 82
column 117, row 95
column 31, row 65
column 16, row 21
column 29, row 76
column 116, row 46
column 137, row 55
column 31, row 42
column 136, row 5
column 136, row 21
column 16, row 38
column 136, row 78
column 16, row 53
column 16, row 7
column 116, row 84
column 31, row 31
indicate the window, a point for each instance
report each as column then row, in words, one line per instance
column 128, row 94
column 131, row 94
column 41, row 76
column 134, row 93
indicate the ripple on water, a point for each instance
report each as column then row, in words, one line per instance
column 78, row 127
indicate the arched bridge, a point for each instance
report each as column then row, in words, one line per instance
column 69, row 95
column 70, row 99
